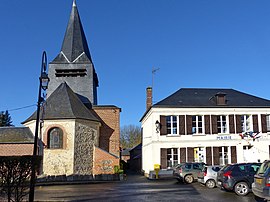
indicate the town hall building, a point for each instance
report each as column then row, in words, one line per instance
column 215, row 126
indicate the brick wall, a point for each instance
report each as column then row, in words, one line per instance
column 104, row 162
column 110, row 129
column 16, row 149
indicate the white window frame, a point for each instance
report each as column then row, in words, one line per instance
column 246, row 122
column 223, row 119
column 268, row 122
column 171, row 157
column 173, row 129
column 197, row 124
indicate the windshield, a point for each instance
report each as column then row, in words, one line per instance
column 264, row 167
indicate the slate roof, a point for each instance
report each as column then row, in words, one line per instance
column 63, row 103
column 203, row 97
column 74, row 48
column 16, row 135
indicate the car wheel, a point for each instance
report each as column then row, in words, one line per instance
column 241, row 188
column 188, row 179
column 210, row 184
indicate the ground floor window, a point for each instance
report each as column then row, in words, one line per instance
column 172, row 157
column 223, row 156
column 210, row 155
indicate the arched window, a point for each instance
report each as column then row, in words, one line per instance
column 55, row 138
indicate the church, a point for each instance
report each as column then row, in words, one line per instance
column 78, row 136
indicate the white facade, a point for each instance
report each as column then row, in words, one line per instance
column 222, row 147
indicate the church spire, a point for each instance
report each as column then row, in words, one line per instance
column 74, row 47
column 73, row 64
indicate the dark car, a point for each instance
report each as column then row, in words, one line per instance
column 187, row 172
column 261, row 185
column 237, row 177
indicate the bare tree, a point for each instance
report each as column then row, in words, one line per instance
column 15, row 172
column 130, row 136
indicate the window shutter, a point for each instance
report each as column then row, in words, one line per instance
column 238, row 124
column 163, row 125
column 231, row 124
column 233, row 154
column 255, row 123
column 216, row 155
column 214, row 124
column 189, row 124
column 183, row 155
column 163, row 158
column 190, row 154
column 264, row 125
column 208, row 155
column 182, row 125
column 207, row 124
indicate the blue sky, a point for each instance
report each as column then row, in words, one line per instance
column 194, row 43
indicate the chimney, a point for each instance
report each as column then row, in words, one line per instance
column 148, row 98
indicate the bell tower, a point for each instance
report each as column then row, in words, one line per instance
column 73, row 64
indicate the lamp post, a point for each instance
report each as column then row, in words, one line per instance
column 43, row 85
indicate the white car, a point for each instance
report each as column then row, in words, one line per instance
column 208, row 176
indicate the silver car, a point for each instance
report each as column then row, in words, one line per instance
column 208, row 176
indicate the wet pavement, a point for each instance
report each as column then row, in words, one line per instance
column 136, row 188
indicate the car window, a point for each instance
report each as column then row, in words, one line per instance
column 242, row 168
column 196, row 166
column 255, row 167
column 216, row 169
column 226, row 168
column 263, row 168
column 204, row 168
column 188, row 166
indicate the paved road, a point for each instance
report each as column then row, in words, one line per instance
column 137, row 188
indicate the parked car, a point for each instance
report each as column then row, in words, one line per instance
column 261, row 185
column 208, row 176
column 187, row 172
column 237, row 177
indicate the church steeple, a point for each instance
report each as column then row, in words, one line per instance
column 74, row 48
column 73, row 64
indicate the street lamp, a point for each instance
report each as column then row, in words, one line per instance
column 43, row 85
column 158, row 126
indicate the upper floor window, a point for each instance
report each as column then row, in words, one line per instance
column 55, row 138
column 171, row 123
column 197, row 124
column 246, row 123
column 222, row 124
column 268, row 122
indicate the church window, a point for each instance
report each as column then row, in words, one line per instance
column 55, row 138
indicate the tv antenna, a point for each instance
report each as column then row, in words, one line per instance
column 154, row 70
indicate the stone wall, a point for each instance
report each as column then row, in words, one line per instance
column 86, row 136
